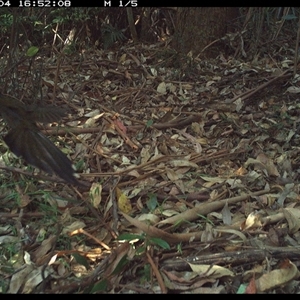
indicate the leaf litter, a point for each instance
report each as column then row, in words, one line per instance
column 202, row 171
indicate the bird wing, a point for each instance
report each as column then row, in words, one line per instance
column 45, row 114
column 39, row 151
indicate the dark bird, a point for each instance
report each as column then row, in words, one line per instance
column 25, row 139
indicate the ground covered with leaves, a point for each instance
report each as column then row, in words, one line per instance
column 190, row 171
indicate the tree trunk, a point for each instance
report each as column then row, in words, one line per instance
column 196, row 28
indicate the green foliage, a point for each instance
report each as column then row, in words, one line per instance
column 179, row 248
column 149, row 123
column 152, row 202
column 32, row 51
column 145, row 274
column 6, row 21
column 242, row 288
column 159, row 242
column 129, row 237
column 289, row 17
column 81, row 260
column 9, row 250
column 37, row 26
column 100, row 286
column 73, row 16
column 123, row 261
column 110, row 35
column 3, row 286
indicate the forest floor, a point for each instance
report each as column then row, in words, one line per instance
column 191, row 178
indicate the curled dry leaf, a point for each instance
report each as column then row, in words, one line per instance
column 252, row 221
column 278, row 277
column 214, row 271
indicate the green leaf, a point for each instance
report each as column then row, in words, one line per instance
column 149, row 123
column 141, row 250
column 152, row 202
column 289, row 17
column 81, row 260
column 242, row 289
column 123, row 261
column 100, row 286
column 159, row 242
column 32, row 51
column 130, row 237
